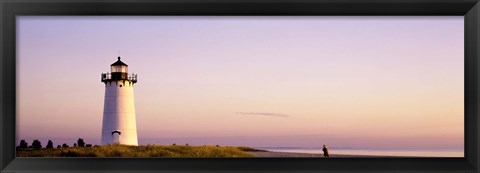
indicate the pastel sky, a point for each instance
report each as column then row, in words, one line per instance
column 380, row 82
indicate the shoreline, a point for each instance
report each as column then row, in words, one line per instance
column 190, row 151
column 277, row 154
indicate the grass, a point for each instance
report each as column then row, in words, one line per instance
column 176, row 151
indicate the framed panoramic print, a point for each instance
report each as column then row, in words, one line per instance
column 239, row 86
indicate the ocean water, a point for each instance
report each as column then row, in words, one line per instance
column 374, row 152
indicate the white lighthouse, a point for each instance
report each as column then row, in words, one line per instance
column 119, row 124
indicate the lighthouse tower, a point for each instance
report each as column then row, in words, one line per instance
column 119, row 124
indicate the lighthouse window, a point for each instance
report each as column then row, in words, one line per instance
column 122, row 69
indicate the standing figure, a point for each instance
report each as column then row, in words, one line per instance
column 325, row 151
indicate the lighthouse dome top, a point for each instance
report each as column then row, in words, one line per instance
column 119, row 63
column 119, row 67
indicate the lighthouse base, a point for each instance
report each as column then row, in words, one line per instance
column 118, row 136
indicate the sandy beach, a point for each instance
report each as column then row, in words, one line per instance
column 288, row 154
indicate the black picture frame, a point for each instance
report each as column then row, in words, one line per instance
column 9, row 9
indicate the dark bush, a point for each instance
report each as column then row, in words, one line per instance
column 74, row 144
column 88, row 145
column 49, row 144
column 80, row 142
column 58, row 146
column 36, row 144
column 65, row 145
column 23, row 144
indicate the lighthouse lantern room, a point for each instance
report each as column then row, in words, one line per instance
column 119, row 122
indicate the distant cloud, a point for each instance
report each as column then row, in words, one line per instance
column 263, row 114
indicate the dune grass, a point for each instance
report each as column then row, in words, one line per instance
column 175, row 151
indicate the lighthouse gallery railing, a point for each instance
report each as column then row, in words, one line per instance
column 119, row 76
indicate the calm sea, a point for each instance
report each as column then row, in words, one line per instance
column 374, row 152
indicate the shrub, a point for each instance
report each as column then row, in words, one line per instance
column 65, row 145
column 58, row 146
column 80, row 142
column 74, row 144
column 49, row 144
column 88, row 145
column 23, row 144
column 36, row 144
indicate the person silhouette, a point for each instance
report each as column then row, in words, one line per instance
column 325, row 151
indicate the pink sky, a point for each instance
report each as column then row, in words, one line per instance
column 386, row 82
